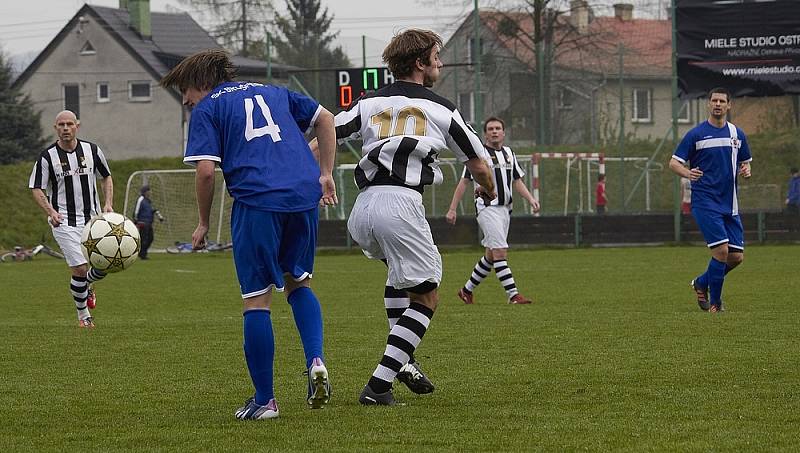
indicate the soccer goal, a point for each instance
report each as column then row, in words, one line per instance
column 579, row 161
column 173, row 193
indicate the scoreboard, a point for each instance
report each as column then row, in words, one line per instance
column 353, row 82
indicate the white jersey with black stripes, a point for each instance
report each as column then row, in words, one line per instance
column 404, row 128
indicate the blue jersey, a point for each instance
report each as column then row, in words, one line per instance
column 255, row 134
column 718, row 153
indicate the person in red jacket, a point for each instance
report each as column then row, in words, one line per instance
column 600, row 195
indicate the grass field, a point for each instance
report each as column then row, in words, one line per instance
column 614, row 355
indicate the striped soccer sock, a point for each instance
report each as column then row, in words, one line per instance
column 396, row 301
column 95, row 275
column 79, row 289
column 506, row 278
column 403, row 339
column 481, row 270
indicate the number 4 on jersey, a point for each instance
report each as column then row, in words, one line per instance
column 271, row 128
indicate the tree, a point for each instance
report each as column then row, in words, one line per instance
column 306, row 41
column 20, row 127
column 238, row 24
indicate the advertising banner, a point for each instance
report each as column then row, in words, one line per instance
column 750, row 48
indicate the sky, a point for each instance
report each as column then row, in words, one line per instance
column 26, row 27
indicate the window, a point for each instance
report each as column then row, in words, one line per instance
column 103, row 94
column 87, row 49
column 465, row 106
column 139, row 91
column 72, row 99
column 566, row 99
column 685, row 113
column 471, row 50
column 641, row 106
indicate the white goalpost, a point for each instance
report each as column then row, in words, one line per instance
column 172, row 193
column 570, row 159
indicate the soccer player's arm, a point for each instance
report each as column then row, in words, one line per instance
column 204, row 151
column 519, row 186
column 101, row 167
column 204, row 189
column 458, row 194
column 326, row 144
column 680, row 158
column 39, row 179
column 108, row 193
column 744, row 157
column 464, row 141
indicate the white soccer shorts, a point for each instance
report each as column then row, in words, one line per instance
column 494, row 221
column 388, row 222
column 69, row 240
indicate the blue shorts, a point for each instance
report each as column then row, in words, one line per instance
column 269, row 244
column 720, row 228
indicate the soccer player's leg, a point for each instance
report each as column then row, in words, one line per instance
column 256, row 240
column 69, row 239
column 414, row 264
column 713, row 228
column 298, row 245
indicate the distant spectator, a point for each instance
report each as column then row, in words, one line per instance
column 144, row 214
column 686, row 196
column 600, row 195
column 793, row 196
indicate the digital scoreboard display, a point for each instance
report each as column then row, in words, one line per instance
column 354, row 82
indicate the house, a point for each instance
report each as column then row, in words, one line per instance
column 594, row 60
column 105, row 65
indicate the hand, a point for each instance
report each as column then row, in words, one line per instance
column 55, row 219
column 744, row 170
column 487, row 196
column 199, row 237
column 108, row 208
column 695, row 174
column 328, row 191
column 535, row 205
column 451, row 216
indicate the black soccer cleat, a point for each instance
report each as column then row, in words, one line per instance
column 370, row 398
column 412, row 376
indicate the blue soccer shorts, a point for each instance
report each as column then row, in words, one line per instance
column 269, row 244
column 720, row 228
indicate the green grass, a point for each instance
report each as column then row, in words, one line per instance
column 614, row 355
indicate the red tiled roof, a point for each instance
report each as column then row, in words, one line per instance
column 647, row 44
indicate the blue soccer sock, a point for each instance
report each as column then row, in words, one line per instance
column 716, row 277
column 259, row 352
column 702, row 280
column 308, row 319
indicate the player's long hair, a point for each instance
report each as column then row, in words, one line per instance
column 403, row 51
column 202, row 71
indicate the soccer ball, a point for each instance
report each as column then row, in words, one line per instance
column 110, row 242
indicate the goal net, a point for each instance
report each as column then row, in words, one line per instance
column 172, row 193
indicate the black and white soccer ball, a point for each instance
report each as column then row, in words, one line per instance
column 110, row 242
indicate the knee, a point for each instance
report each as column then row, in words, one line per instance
column 735, row 259
column 292, row 284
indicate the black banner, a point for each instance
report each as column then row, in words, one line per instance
column 750, row 48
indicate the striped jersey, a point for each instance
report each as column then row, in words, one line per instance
column 69, row 180
column 505, row 170
column 718, row 153
column 404, row 127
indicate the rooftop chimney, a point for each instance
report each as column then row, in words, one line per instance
column 579, row 14
column 139, row 11
column 623, row 11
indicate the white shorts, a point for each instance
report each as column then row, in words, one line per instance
column 388, row 222
column 494, row 221
column 69, row 239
